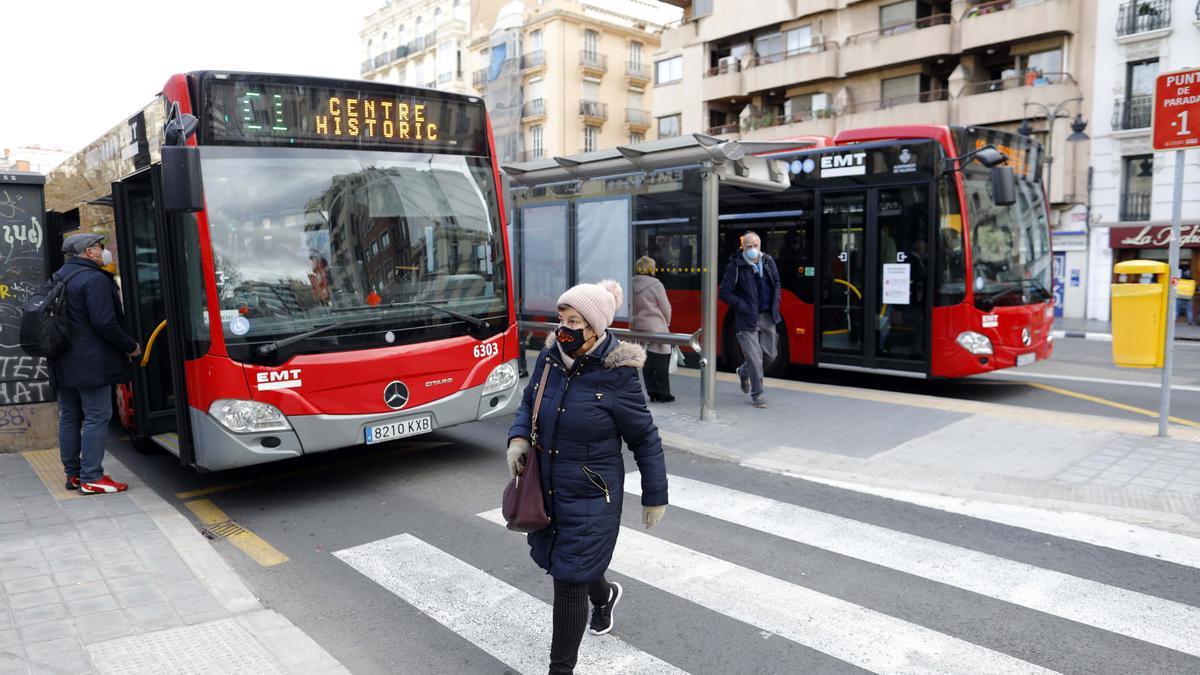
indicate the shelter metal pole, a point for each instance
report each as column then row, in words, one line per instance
column 1164, row 406
column 708, row 293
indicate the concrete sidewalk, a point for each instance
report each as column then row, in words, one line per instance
column 1000, row 453
column 125, row 584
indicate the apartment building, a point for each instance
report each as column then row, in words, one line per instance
column 562, row 77
column 774, row 69
column 417, row 43
column 1133, row 186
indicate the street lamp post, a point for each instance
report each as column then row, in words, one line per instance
column 1051, row 114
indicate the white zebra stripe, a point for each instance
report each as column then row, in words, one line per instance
column 503, row 621
column 1168, row 624
column 841, row 629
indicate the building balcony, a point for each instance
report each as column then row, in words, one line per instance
column 593, row 112
column 637, row 74
column 1004, row 21
column 819, row 62
column 1143, row 16
column 533, row 110
column 927, row 107
column 367, row 66
column 1135, row 206
column 1132, row 113
column 996, row 101
column 730, row 131
column 592, row 63
column 923, row 39
column 771, row 128
column 479, row 77
column 533, row 61
column 723, row 82
column 637, row 119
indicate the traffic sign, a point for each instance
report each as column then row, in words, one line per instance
column 1176, row 121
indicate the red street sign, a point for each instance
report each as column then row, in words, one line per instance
column 1176, row 122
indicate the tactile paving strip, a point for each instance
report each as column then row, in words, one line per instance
column 217, row 647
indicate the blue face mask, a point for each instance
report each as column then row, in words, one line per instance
column 751, row 254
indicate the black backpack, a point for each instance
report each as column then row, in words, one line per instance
column 45, row 328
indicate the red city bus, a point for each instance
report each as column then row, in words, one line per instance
column 892, row 257
column 344, row 283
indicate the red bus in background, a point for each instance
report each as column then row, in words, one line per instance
column 892, row 257
column 345, row 283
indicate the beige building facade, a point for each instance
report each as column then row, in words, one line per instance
column 562, row 77
column 417, row 43
column 776, row 69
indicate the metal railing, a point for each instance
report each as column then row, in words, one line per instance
column 924, row 22
column 479, row 77
column 884, row 104
column 1133, row 112
column 772, row 120
column 637, row 117
column 1140, row 16
column 534, row 108
column 593, row 60
column 534, row 59
column 723, row 129
column 734, row 66
column 785, row 54
column 1135, row 206
column 985, row 8
column 594, row 109
column 367, row 66
column 1031, row 78
column 691, row 341
column 637, row 70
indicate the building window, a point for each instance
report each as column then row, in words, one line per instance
column 635, row 54
column 537, row 148
column 591, row 138
column 701, row 8
column 1137, row 179
column 668, row 70
column 437, row 15
column 535, row 41
column 591, row 41
column 1042, row 64
column 799, row 40
column 805, row 107
column 1134, row 110
column 768, row 47
column 669, row 126
column 897, row 17
column 900, row 90
column 635, row 137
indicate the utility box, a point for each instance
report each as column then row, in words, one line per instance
column 1139, row 313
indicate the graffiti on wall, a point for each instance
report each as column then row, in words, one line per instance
column 23, row 379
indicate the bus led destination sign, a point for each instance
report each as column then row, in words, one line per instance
column 380, row 118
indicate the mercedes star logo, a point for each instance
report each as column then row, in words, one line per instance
column 1025, row 339
column 395, row 395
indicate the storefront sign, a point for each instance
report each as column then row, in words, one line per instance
column 1153, row 236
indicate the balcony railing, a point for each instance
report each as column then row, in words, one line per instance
column 637, row 70
column 593, row 60
column 367, row 66
column 534, row 59
column 731, row 66
column 1133, row 112
column 924, row 22
column 985, row 8
column 784, row 54
column 479, row 77
column 774, row 120
column 724, row 129
column 1031, row 78
column 884, row 104
column 1135, row 206
column 534, row 108
column 1140, row 16
column 637, row 117
column 593, row 109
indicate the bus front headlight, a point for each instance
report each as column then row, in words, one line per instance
column 503, row 376
column 976, row 343
column 246, row 417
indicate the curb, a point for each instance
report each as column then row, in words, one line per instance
column 1104, row 337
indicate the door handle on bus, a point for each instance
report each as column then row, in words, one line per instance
column 151, row 341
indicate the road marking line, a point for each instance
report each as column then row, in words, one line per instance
column 1111, row 404
column 857, row 635
column 47, row 464
column 1009, row 377
column 517, row 629
column 251, row 544
column 275, row 477
column 1143, row 617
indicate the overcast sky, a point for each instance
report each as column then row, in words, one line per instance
column 72, row 69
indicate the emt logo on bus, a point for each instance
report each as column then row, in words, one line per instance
column 278, row 379
column 849, row 164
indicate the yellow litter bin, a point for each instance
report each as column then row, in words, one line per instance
column 1139, row 313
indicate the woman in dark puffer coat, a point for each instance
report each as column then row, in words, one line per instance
column 592, row 401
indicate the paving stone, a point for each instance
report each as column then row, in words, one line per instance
column 84, row 590
column 48, row 630
column 98, row 529
column 140, row 596
column 114, row 557
column 48, row 521
column 10, row 572
column 184, row 589
column 33, row 598
column 125, row 569
column 63, row 538
column 17, row 541
column 106, row 543
column 147, row 618
column 197, row 606
column 9, row 638
column 128, row 583
column 72, row 563
column 40, row 614
column 13, row 528
column 65, row 654
column 13, row 662
column 28, row 584
column 103, row 626
column 79, row 576
column 84, row 606
column 1142, row 481
column 139, row 527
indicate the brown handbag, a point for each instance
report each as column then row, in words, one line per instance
column 524, row 507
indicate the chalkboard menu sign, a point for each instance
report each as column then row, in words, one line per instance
column 23, row 378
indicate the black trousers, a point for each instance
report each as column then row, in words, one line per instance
column 571, row 619
column 658, row 380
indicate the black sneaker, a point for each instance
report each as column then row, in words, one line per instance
column 602, row 616
column 72, row 483
column 745, row 381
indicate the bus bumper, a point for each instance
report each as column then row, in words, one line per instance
column 218, row 449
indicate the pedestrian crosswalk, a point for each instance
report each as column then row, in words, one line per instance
column 513, row 626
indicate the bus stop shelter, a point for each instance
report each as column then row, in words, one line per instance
column 583, row 218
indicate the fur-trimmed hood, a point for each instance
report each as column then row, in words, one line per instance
column 625, row 354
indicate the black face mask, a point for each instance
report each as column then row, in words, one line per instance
column 569, row 339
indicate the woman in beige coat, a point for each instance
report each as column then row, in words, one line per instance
column 652, row 313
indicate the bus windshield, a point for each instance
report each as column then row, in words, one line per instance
column 303, row 238
column 1010, row 245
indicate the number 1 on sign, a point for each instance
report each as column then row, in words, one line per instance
column 1183, row 128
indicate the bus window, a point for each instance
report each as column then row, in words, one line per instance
column 951, row 269
column 1009, row 244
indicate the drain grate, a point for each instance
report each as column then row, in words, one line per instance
column 222, row 530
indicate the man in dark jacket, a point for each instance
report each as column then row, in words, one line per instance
column 751, row 288
column 97, row 358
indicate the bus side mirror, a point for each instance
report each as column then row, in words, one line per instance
column 1004, row 186
column 183, row 189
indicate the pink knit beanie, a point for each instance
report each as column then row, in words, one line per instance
column 597, row 303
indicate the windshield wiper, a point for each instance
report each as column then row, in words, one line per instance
column 270, row 347
column 475, row 322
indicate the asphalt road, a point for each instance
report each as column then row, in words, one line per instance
column 705, row 592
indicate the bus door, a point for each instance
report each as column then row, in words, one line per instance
column 160, row 407
column 874, row 305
